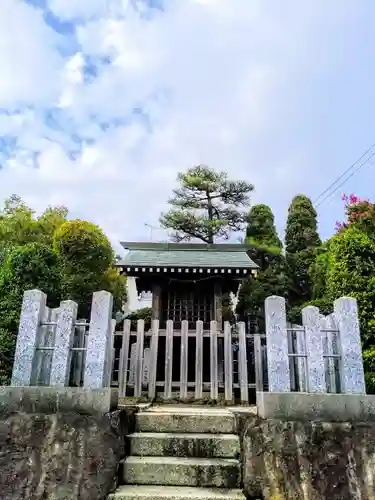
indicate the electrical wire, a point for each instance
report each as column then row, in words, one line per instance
column 347, row 178
column 343, row 175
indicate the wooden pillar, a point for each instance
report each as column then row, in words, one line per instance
column 218, row 311
column 156, row 301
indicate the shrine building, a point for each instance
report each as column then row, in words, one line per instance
column 187, row 281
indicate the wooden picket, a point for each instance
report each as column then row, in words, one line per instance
column 138, row 373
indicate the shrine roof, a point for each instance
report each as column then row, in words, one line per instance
column 187, row 255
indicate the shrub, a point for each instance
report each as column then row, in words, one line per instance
column 83, row 246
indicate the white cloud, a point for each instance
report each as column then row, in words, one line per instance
column 30, row 63
column 212, row 76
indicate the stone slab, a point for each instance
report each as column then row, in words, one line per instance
column 174, row 493
column 57, row 400
column 172, row 471
column 184, row 445
column 316, row 407
column 186, row 420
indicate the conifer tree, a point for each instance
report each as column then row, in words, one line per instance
column 301, row 243
column 265, row 250
column 206, row 206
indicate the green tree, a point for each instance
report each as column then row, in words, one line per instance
column 87, row 264
column 302, row 242
column 25, row 267
column 19, row 225
column 301, row 226
column 83, row 245
column 266, row 251
column 206, row 206
column 351, row 272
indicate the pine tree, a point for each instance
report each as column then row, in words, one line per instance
column 206, row 206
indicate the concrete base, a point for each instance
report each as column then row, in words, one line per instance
column 186, row 420
column 172, row 471
column 316, row 407
column 174, row 493
column 158, row 444
column 50, row 400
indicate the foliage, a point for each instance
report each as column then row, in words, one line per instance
column 112, row 281
column 7, row 347
column 82, row 245
column 359, row 213
column 351, row 272
column 266, row 252
column 261, row 228
column 302, row 242
column 143, row 313
column 19, row 226
column 370, row 382
column 206, row 206
column 87, row 259
column 27, row 267
column 64, row 259
column 301, row 226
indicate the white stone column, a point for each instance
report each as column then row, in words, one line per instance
column 314, row 349
column 351, row 365
column 64, row 339
column 99, row 348
column 33, row 305
column 277, row 345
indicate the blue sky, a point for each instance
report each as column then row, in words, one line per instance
column 102, row 102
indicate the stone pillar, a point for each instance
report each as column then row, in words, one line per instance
column 314, row 349
column 99, row 348
column 218, row 305
column 277, row 345
column 156, row 301
column 33, row 305
column 64, row 339
column 351, row 365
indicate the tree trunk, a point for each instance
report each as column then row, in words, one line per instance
column 210, row 232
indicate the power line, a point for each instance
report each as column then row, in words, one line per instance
column 342, row 175
column 347, row 178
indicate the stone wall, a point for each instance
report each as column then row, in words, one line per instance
column 307, row 460
column 63, row 456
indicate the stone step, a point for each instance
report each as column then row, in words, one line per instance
column 184, row 445
column 176, row 471
column 186, row 421
column 129, row 492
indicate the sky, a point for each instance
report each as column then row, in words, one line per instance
column 103, row 102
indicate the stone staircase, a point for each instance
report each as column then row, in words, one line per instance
column 182, row 453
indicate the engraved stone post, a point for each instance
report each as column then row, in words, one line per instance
column 98, row 354
column 49, row 341
column 64, row 338
column 351, row 366
column 277, row 345
column 314, row 349
column 133, row 355
column 80, row 342
column 34, row 302
column 329, row 324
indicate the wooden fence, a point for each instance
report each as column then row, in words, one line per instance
column 188, row 364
